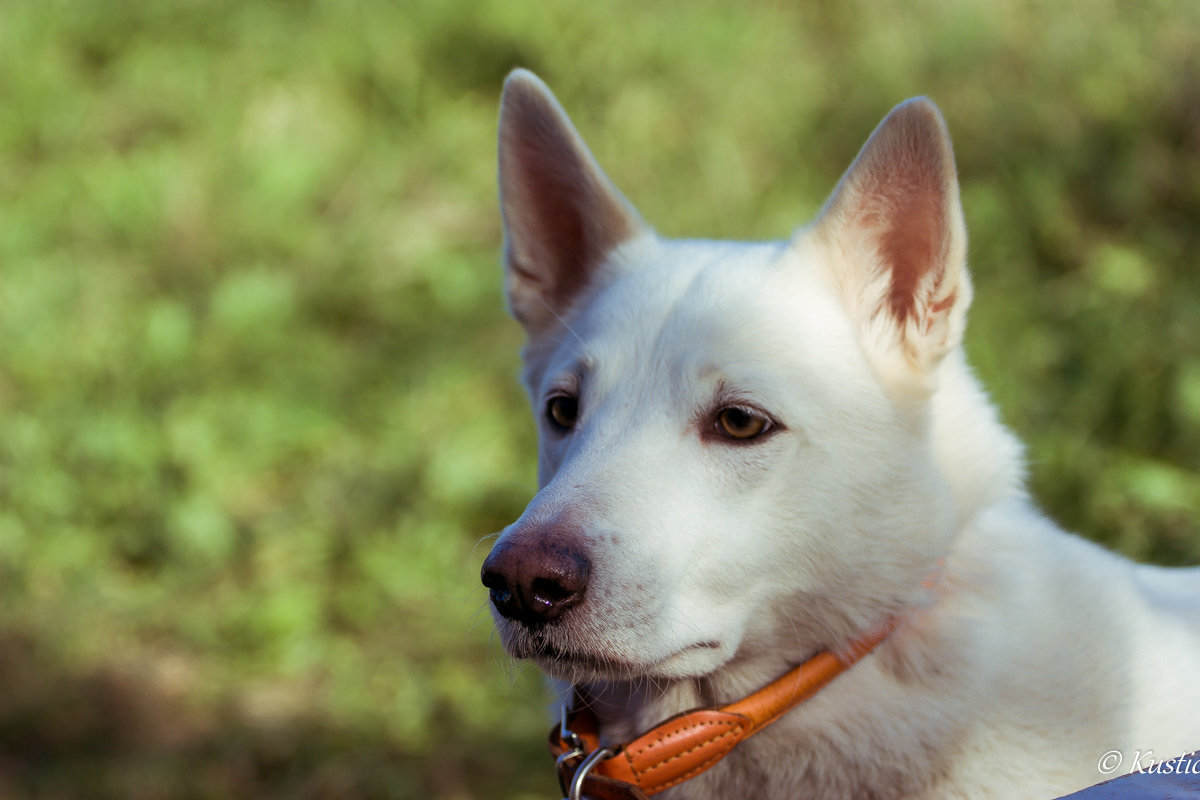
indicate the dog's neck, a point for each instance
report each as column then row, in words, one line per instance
column 748, row 685
column 836, row 727
column 981, row 460
column 625, row 709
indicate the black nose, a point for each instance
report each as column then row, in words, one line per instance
column 534, row 580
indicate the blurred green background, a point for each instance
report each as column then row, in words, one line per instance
column 258, row 396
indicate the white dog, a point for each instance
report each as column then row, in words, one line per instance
column 753, row 453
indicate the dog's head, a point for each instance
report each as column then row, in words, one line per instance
column 735, row 446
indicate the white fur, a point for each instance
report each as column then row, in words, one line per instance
column 717, row 566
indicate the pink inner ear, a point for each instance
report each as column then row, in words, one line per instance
column 895, row 226
column 548, row 211
column 560, row 213
column 914, row 239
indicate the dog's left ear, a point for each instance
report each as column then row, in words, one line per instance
column 896, row 241
column 562, row 215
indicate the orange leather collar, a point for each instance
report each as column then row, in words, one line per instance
column 689, row 743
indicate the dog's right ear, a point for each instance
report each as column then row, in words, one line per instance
column 895, row 227
column 562, row 215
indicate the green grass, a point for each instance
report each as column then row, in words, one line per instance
column 258, row 397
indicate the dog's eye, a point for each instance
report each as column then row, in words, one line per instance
column 738, row 423
column 562, row 411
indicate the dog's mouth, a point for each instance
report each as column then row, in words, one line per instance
column 576, row 664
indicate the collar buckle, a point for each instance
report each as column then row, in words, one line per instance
column 575, row 790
